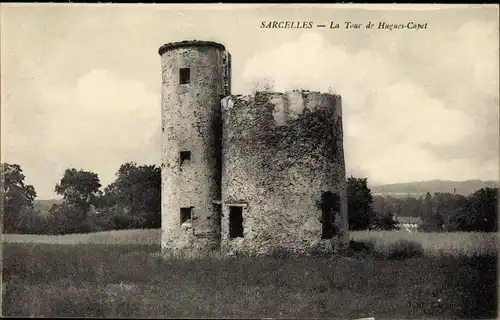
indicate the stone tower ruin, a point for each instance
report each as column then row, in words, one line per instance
column 246, row 173
column 195, row 76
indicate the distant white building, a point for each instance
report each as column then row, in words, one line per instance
column 409, row 224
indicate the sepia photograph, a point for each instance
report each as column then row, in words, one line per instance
column 250, row 161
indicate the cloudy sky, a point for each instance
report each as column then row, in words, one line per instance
column 81, row 83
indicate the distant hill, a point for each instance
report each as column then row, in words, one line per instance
column 418, row 188
column 44, row 205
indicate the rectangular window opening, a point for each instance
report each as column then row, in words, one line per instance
column 186, row 214
column 235, row 222
column 185, row 156
column 330, row 207
column 184, row 76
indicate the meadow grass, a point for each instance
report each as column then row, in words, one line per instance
column 135, row 236
column 124, row 279
column 434, row 243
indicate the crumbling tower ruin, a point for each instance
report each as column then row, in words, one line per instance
column 195, row 77
column 283, row 171
column 246, row 173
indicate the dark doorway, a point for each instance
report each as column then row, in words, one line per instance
column 235, row 222
column 330, row 207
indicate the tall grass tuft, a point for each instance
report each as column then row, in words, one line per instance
column 405, row 249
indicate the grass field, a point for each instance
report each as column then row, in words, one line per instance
column 435, row 243
column 119, row 274
column 138, row 236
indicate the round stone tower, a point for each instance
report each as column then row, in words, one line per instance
column 195, row 77
column 283, row 173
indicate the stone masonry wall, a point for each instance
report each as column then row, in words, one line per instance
column 282, row 153
column 191, row 122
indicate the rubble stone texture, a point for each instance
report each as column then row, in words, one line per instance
column 275, row 158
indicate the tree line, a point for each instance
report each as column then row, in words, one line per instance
column 133, row 201
column 438, row 212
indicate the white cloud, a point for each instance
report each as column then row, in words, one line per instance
column 101, row 123
column 388, row 116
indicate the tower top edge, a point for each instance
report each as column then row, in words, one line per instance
column 189, row 43
column 286, row 93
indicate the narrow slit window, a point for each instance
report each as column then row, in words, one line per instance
column 235, row 222
column 186, row 214
column 185, row 156
column 184, row 75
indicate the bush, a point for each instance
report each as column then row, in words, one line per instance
column 367, row 245
column 384, row 221
column 30, row 221
column 281, row 253
column 66, row 218
column 404, row 249
column 361, row 249
column 116, row 218
column 319, row 250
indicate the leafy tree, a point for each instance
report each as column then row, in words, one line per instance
column 446, row 205
column 359, row 203
column 16, row 196
column 414, row 207
column 30, row 221
column 137, row 190
column 483, row 205
column 384, row 221
column 478, row 212
column 79, row 188
column 68, row 218
column 431, row 219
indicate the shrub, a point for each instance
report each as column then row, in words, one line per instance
column 384, row 221
column 66, row 218
column 117, row 218
column 366, row 245
column 281, row 253
column 404, row 249
column 361, row 249
column 318, row 250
